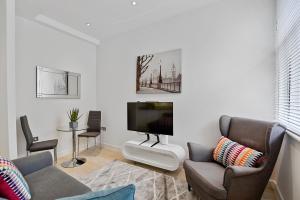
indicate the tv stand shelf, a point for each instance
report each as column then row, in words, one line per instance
column 165, row 156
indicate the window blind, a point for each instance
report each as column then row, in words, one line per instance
column 288, row 64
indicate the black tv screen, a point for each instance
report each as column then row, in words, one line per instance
column 150, row 117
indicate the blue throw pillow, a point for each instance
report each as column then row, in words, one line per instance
column 120, row 193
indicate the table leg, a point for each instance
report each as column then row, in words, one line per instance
column 74, row 144
column 75, row 162
column 79, row 161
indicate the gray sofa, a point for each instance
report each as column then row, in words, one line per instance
column 45, row 181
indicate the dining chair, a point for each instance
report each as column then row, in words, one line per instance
column 93, row 130
column 32, row 146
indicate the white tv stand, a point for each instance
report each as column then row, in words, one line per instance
column 165, row 156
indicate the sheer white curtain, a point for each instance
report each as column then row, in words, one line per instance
column 288, row 64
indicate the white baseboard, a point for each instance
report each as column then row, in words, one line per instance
column 278, row 193
column 112, row 146
column 64, row 152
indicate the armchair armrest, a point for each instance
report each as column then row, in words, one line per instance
column 235, row 173
column 199, row 153
column 30, row 164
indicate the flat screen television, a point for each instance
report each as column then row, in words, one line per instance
column 150, row 117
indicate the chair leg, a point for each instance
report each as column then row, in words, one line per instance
column 100, row 141
column 27, row 153
column 78, row 146
column 87, row 143
column 189, row 188
column 95, row 141
column 55, row 155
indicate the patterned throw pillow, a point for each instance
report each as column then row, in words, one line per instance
column 12, row 183
column 228, row 152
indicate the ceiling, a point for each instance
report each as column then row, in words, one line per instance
column 107, row 17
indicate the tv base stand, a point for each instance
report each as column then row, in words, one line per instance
column 148, row 138
column 157, row 141
column 168, row 157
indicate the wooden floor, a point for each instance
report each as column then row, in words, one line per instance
column 98, row 157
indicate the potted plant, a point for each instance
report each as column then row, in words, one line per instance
column 74, row 117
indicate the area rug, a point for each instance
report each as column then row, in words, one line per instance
column 150, row 185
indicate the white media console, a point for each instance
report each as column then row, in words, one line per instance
column 165, row 156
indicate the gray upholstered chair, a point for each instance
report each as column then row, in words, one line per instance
column 211, row 181
column 32, row 146
column 94, row 128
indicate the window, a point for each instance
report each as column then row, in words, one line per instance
column 288, row 64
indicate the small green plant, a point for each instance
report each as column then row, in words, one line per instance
column 74, row 115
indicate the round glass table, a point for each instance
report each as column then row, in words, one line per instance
column 75, row 161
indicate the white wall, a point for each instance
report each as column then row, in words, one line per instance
column 287, row 169
column 40, row 45
column 4, row 136
column 8, row 138
column 228, row 68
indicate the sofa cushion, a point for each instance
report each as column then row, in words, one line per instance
column 228, row 152
column 208, row 176
column 120, row 193
column 12, row 183
column 51, row 183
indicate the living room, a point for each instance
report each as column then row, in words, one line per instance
column 211, row 68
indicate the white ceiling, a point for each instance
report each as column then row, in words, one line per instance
column 107, row 17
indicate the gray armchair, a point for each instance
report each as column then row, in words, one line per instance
column 211, row 181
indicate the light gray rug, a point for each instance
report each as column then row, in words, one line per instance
column 150, row 185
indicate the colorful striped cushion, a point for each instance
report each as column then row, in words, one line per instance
column 229, row 153
column 12, row 183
